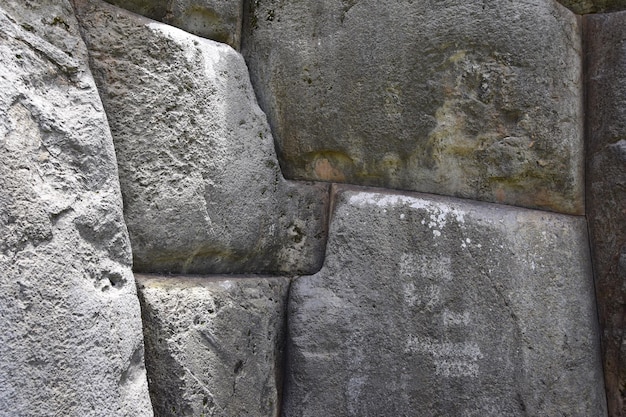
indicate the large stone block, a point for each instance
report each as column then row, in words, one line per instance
column 593, row 6
column 202, row 188
column 476, row 99
column 70, row 326
column 214, row 345
column 219, row 20
column 606, row 189
column 434, row 306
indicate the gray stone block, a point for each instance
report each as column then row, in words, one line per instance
column 219, row 20
column 70, row 326
column 434, row 306
column 203, row 192
column 605, row 37
column 478, row 99
column 214, row 345
column 594, row 6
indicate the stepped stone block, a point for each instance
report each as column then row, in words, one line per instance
column 214, row 345
column 606, row 189
column 435, row 306
column 70, row 326
column 593, row 6
column 203, row 192
column 441, row 97
column 219, row 20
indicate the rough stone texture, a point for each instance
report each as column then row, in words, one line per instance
column 606, row 189
column 433, row 306
column 203, row 192
column 430, row 96
column 214, row 345
column 70, row 329
column 219, row 20
column 593, row 6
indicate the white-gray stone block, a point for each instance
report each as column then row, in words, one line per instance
column 70, row 327
column 214, row 344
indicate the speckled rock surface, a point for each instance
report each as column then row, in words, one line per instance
column 429, row 96
column 70, row 326
column 593, row 6
column 214, row 345
column 219, row 20
column 606, row 189
column 203, row 192
column 434, row 306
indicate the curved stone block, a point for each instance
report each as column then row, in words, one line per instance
column 475, row 99
column 70, row 326
column 203, row 192
column 434, row 306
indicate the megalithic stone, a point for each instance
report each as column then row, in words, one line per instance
column 70, row 326
column 434, row 306
column 214, row 344
column 605, row 36
column 474, row 99
column 594, row 6
column 219, row 20
column 203, row 192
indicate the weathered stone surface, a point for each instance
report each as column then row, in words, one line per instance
column 430, row 96
column 202, row 188
column 434, row 306
column 606, row 189
column 219, row 20
column 214, row 345
column 593, row 6
column 70, row 326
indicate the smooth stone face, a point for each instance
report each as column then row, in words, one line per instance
column 219, row 20
column 70, row 325
column 593, row 6
column 478, row 99
column 434, row 306
column 606, row 189
column 203, row 192
column 214, row 345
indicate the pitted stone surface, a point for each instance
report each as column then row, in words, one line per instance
column 203, row 192
column 439, row 97
column 214, row 345
column 434, row 306
column 70, row 326
column 606, row 189
column 219, row 20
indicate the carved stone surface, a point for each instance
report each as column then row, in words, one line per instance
column 70, row 326
column 434, row 306
column 440, row 97
column 214, row 345
column 203, row 192
column 606, row 189
column 219, row 20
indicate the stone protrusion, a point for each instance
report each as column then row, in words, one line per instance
column 594, row 6
column 70, row 325
column 605, row 37
column 203, row 191
column 214, row 345
column 219, row 20
column 434, row 306
column 479, row 99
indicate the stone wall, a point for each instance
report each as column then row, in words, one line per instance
column 484, row 276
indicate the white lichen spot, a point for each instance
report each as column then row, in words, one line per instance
column 451, row 359
column 436, row 233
